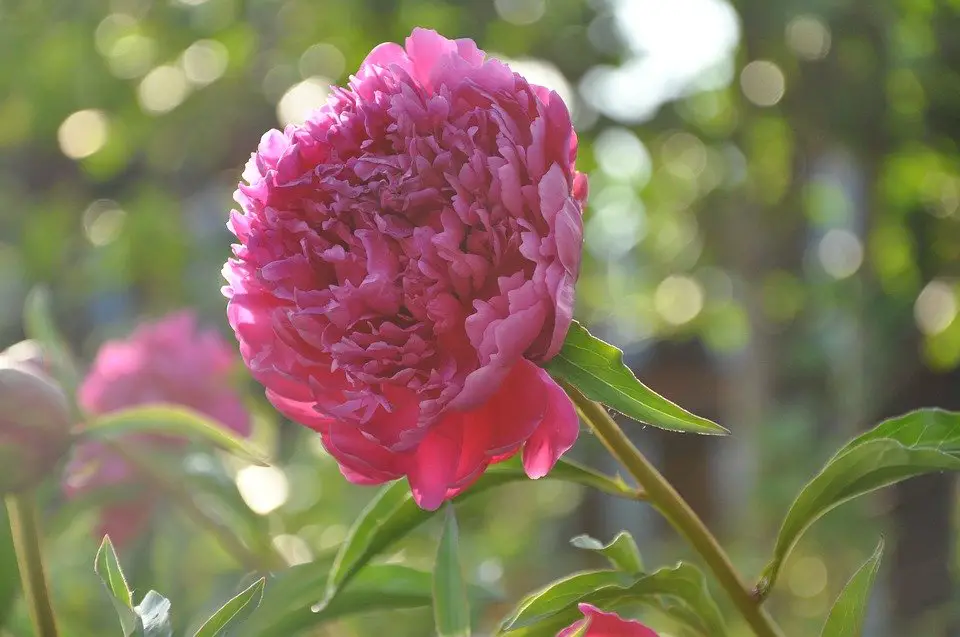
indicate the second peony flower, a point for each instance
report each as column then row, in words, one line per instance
column 406, row 259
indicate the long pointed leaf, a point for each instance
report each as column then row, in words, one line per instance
column 107, row 566
column 850, row 609
column 451, row 611
column 597, row 369
column 393, row 513
column 920, row 442
column 680, row 591
column 234, row 612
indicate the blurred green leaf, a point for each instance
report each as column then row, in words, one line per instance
column 920, row 442
column 451, row 611
column 290, row 595
column 392, row 514
column 170, row 419
column 680, row 591
column 234, row 612
column 39, row 325
column 622, row 551
column 107, row 566
column 597, row 369
column 848, row 612
column 154, row 614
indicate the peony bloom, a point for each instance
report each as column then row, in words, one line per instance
column 168, row 361
column 606, row 625
column 406, row 257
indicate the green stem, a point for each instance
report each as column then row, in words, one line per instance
column 25, row 529
column 665, row 498
column 184, row 500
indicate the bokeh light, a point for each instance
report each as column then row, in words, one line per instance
column 762, row 82
column 204, row 62
column 678, row 299
column 840, row 253
column 264, row 489
column 808, row 37
column 83, row 133
column 301, row 99
column 163, row 89
column 936, row 307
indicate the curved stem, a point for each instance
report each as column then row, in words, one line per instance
column 665, row 498
column 25, row 529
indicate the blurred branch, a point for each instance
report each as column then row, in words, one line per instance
column 184, row 499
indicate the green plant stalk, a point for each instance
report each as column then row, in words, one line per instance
column 176, row 492
column 672, row 506
column 25, row 529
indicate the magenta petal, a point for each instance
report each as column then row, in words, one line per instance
column 515, row 412
column 607, row 625
column 555, row 435
column 434, row 467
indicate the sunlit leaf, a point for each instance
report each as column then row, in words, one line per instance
column 234, row 612
column 451, row 611
column 848, row 612
column 392, row 514
column 622, row 551
column 920, row 442
column 680, row 591
column 597, row 369
column 170, row 419
column 154, row 613
column 107, row 566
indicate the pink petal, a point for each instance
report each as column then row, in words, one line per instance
column 555, row 435
column 434, row 466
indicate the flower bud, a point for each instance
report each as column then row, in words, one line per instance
column 35, row 424
column 29, row 352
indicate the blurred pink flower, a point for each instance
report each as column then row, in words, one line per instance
column 606, row 625
column 405, row 258
column 167, row 361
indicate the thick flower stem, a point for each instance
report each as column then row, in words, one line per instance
column 665, row 498
column 25, row 529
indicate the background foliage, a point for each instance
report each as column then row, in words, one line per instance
column 773, row 236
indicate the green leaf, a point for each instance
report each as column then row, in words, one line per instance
column 680, row 591
column 107, row 566
column 922, row 428
column 154, row 614
column 38, row 324
column 622, row 551
column 170, row 419
column 451, row 612
column 234, row 612
column 286, row 607
column 850, row 609
column 596, row 368
column 392, row 514
column 920, row 442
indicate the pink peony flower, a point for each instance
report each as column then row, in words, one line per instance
column 405, row 258
column 606, row 625
column 167, row 361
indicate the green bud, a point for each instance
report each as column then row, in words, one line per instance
column 35, row 425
